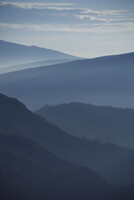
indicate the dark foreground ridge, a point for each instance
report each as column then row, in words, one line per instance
column 29, row 170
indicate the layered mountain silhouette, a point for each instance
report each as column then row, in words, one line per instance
column 4, row 70
column 16, row 54
column 26, row 166
column 104, row 81
column 24, row 163
column 112, row 162
column 30, row 150
column 107, row 123
column 29, row 171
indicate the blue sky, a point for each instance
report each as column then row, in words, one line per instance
column 84, row 28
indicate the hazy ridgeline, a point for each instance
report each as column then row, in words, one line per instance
column 103, row 81
column 24, row 163
column 105, row 123
column 16, row 54
column 70, row 151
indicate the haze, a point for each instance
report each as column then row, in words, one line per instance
column 84, row 28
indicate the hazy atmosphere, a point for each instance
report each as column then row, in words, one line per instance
column 67, row 100
column 86, row 28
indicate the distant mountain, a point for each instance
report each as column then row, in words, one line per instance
column 32, row 65
column 103, row 81
column 107, row 123
column 28, row 171
column 16, row 54
column 112, row 162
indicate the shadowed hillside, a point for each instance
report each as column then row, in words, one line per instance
column 107, row 123
column 24, row 165
column 110, row 161
column 28, row 171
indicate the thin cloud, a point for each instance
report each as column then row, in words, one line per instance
column 85, row 28
column 64, row 7
column 103, row 12
column 69, row 13
column 94, row 18
column 58, row 7
column 31, row 5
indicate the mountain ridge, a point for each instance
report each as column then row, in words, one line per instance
column 109, row 124
column 16, row 54
column 81, row 80
column 9, row 69
column 103, row 158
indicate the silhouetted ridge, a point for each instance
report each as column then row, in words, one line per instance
column 32, row 151
column 16, row 54
column 24, row 164
column 113, row 163
column 106, row 123
column 7, row 101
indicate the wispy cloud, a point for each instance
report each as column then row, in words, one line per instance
column 93, row 18
column 51, row 16
column 68, row 9
column 90, row 30
column 103, row 12
column 85, row 28
column 61, row 7
column 103, row 19
column 31, row 5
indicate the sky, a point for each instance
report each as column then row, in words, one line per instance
column 85, row 28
